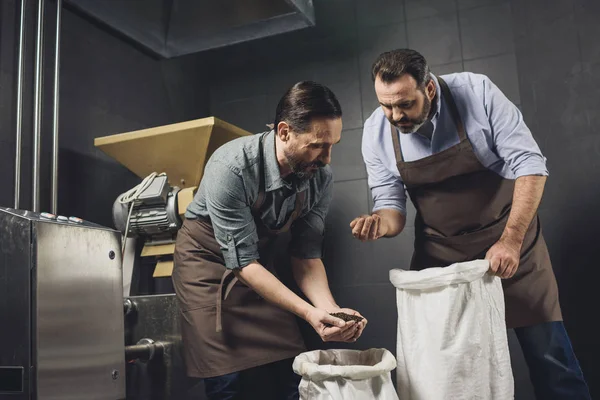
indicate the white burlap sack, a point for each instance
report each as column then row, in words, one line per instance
column 452, row 340
column 346, row 374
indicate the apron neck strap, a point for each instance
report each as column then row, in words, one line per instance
column 462, row 134
column 396, row 141
column 260, row 198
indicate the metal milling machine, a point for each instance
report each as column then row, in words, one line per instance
column 170, row 160
column 78, row 320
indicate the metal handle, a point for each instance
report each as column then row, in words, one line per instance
column 144, row 351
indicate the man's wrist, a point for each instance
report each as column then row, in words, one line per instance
column 513, row 237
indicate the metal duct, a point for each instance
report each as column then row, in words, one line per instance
column 172, row 28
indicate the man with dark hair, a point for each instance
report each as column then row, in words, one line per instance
column 476, row 176
column 237, row 316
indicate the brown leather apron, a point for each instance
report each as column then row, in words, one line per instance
column 226, row 326
column 462, row 210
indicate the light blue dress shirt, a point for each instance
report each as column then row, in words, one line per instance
column 501, row 140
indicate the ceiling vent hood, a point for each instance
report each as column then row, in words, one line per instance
column 172, row 28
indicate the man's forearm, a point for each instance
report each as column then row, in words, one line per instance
column 271, row 289
column 394, row 221
column 526, row 199
column 312, row 280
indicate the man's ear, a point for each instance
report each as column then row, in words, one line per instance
column 283, row 131
column 431, row 89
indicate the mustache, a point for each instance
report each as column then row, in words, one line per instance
column 402, row 121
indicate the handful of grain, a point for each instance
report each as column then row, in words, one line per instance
column 346, row 317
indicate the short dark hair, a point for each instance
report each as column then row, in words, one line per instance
column 305, row 101
column 391, row 65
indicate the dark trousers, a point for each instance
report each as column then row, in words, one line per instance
column 275, row 381
column 554, row 369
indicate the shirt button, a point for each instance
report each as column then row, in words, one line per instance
column 228, row 237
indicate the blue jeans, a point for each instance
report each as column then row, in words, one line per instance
column 554, row 370
column 275, row 381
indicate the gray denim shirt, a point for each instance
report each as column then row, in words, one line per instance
column 230, row 187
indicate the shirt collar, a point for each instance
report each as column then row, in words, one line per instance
column 273, row 179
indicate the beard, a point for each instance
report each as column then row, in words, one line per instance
column 414, row 123
column 302, row 170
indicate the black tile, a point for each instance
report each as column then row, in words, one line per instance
column 437, row 38
column 447, row 68
column 346, row 160
column 336, row 69
column 277, row 82
column 343, row 254
column 502, row 70
column 186, row 81
column 379, row 12
column 464, row 4
column 348, row 94
column 428, row 8
column 486, row 31
column 374, row 41
column 587, row 14
column 7, row 176
column 88, row 186
column 370, row 103
column 536, row 52
column 563, row 110
column 7, row 110
column 8, row 35
column 393, row 253
column 249, row 114
column 229, row 88
column 335, row 17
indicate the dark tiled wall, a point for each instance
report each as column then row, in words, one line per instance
column 516, row 44
column 107, row 87
column 558, row 56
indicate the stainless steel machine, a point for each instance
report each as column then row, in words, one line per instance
column 61, row 309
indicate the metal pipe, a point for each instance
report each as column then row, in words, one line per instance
column 19, row 121
column 144, row 351
column 37, row 106
column 56, row 109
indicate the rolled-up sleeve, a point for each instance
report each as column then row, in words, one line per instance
column 308, row 231
column 513, row 141
column 387, row 190
column 230, row 214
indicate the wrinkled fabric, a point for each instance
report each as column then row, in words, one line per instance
column 452, row 341
column 346, row 374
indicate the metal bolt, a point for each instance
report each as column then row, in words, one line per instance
column 115, row 374
column 111, row 255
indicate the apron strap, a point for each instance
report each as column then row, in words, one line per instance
column 220, row 297
column 396, row 141
column 462, row 134
column 298, row 206
column 260, row 198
